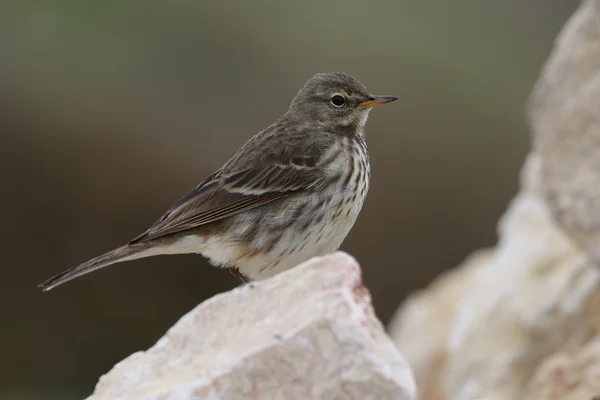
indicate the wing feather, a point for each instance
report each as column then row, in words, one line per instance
column 232, row 190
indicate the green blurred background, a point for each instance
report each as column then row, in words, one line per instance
column 111, row 110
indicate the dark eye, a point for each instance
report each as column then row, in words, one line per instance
column 338, row 100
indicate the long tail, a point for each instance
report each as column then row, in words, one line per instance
column 123, row 253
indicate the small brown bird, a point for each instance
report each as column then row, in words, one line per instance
column 292, row 192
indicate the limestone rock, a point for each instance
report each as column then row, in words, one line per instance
column 567, row 376
column 566, row 127
column 536, row 294
column 308, row 333
column 522, row 321
column 499, row 316
column 421, row 326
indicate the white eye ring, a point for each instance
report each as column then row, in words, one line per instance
column 338, row 100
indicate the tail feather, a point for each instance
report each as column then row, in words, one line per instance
column 123, row 253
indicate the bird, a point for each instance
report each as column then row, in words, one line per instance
column 293, row 191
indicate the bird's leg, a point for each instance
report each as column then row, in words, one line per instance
column 238, row 275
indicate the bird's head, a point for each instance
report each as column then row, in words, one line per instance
column 335, row 100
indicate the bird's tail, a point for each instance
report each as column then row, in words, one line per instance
column 123, row 253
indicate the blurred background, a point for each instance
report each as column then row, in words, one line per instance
column 111, row 110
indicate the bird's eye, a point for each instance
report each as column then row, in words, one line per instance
column 338, row 100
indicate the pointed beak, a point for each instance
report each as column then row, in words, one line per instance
column 373, row 101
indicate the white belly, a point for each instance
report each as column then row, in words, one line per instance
column 323, row 238
column 295, row 247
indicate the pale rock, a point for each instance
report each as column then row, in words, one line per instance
column 307, row 333
column 563, row 114
column 569, row 375
column 421, row 326
column 535, row 294
column 522, row 321
column 492, row 321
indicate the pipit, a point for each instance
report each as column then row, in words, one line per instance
column 292, row 192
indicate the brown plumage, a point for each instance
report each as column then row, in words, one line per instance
column 293, row 191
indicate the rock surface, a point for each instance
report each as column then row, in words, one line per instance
column 566, row 128
column 308, row 333
column 421, row 325
column 569, row 375
column 493, row 322
column 522, row 320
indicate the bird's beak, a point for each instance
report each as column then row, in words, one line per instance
column 373, row 101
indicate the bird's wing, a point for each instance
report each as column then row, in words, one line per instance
column 240, row 185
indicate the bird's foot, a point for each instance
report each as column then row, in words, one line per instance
column 239, row 276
